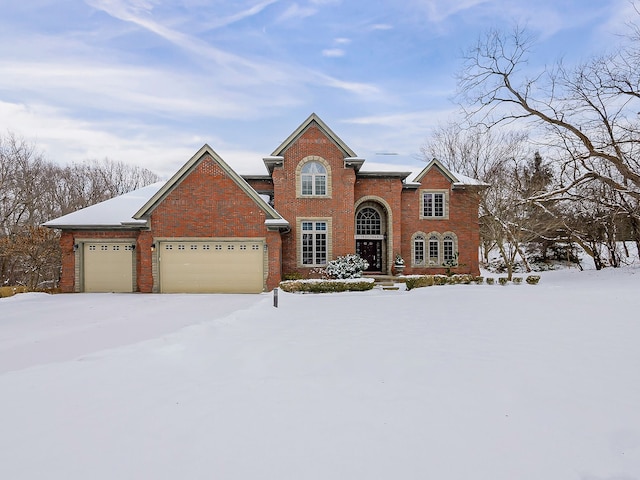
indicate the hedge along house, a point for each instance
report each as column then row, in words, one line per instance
column 208, row 229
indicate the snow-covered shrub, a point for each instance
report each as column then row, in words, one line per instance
column 348, row 266
column 463, row 278
column 419, row 281
column 440, row 279
column 479, row 280
column 517, row 280
column 503, row 280
column 326, row 286
column 533, row 279
column 490, row 280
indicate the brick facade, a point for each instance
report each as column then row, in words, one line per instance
column 207, row 200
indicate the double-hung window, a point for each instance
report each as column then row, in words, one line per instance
column 314, row 242
column 434, row 204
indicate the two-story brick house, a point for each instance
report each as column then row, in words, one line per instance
column 209, row 229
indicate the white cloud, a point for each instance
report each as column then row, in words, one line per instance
column 381, row 26
column 333, row 52
column 295, row 11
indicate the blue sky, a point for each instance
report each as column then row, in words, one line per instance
column 148, row 82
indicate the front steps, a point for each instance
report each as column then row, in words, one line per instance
column 385, row 282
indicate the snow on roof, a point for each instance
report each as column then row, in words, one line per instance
column 115, row 212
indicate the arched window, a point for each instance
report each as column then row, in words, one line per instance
column 449, row 254
column 434, row 250
column 313, row 177
column 368, row 222
column 418, row 250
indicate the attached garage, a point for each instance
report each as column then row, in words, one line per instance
column 108, row 266
column 216, row 266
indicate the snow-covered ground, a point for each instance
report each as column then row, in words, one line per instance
column 449, row 382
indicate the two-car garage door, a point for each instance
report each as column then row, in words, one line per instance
column 233, row 266
column 183, row 266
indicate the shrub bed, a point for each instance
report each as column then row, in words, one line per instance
column 419, row 281
column 326, row 286
column 11, row 291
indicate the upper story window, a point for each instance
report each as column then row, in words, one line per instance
column 435, row 204
column 313, row 178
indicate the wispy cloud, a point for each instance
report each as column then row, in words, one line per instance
column 295, row 11
column 380, row 26
column 239, row 16
column 333, row 52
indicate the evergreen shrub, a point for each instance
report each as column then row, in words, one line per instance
column 347, row 266
column 418, row 282
column 325, row 286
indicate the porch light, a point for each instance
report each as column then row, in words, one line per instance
column 153, row 247
column 75, row 247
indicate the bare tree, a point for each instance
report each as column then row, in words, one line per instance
column 33, row 190
column 503, row 159
column 586, row 116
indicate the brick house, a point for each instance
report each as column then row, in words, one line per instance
column 209, row 229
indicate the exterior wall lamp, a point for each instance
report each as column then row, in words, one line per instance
column 75, row 247
column 153, row 247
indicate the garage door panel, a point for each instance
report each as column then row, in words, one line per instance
column 108, row 267
column 211, row 267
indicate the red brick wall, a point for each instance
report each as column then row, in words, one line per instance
column 339, row 206
column 463, row 221
column 208, row 203
column 67, row 278
column 390, row 190
column 69, row 238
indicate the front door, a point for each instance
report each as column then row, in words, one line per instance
column 371, row 251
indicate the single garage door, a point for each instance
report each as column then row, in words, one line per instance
column 211, row 266
column 108, row 267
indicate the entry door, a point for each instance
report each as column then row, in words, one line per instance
column 371, row 251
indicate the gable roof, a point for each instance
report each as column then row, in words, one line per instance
column 113, row 213
column 457, row 179
column 311, row 120
column 273, row 217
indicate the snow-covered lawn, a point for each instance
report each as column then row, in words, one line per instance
column 450, row 382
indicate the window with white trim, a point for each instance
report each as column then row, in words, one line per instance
column 434, row 204
column 314, row 242
column 368, row 222
column 418, row 250
column 448, row 254
column 313, row 178
column 434, row 250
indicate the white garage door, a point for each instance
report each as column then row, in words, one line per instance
column 211, row 266
column 108, row 267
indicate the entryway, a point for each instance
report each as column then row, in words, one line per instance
column 371, row 235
